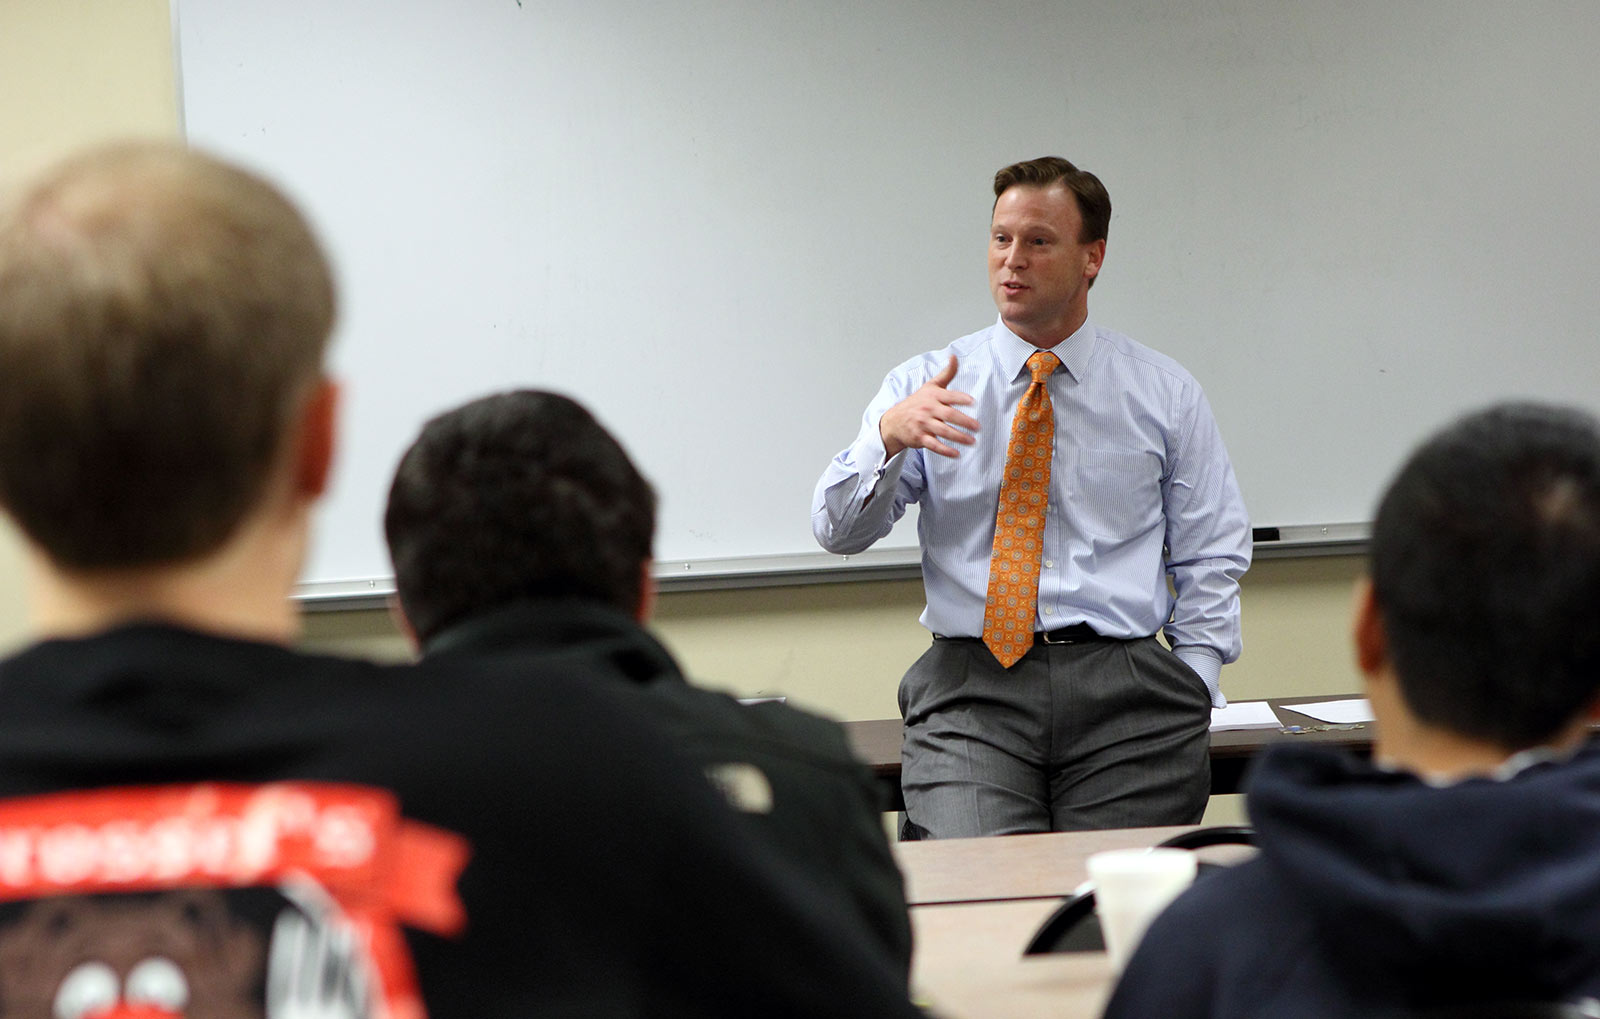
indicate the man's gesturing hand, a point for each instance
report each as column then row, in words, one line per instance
column 928, row 418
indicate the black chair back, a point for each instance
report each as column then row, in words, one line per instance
column 1074, row 927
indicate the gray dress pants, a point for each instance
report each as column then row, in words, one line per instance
column 1096, row 734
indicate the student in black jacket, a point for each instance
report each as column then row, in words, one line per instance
column 1461, row 866
column 518, row 526
column 196, row 820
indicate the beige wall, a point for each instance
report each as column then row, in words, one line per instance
column 74, row 71
column 840, row 648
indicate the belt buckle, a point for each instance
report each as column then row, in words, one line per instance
column 1044, row 638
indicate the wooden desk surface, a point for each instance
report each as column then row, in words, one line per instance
column 976, row 903
column 1046, row 866
column 969, row 965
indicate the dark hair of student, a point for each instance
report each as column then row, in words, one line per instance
column 516, row 496
column 1485, row 561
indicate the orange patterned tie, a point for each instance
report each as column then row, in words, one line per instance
column 1019, row 523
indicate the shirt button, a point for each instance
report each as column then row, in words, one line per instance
column 1049, row 564
column 1049, row 612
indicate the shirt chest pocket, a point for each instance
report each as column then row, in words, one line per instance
column 1114, row 494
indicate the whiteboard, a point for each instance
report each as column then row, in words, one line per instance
column 719, row 224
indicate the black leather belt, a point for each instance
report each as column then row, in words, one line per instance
column 1077, row 633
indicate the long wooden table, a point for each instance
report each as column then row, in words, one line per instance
column 968, row 964
column 877, row 741
column 975, row 904
column 943, row 872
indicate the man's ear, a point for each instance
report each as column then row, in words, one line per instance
column 647, row 591
column 1097, row 259
column 319, row 425
column 1371, row 641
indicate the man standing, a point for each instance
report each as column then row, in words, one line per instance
column 200, row 821
column 1066, row 475
column 558, row 569
column 1454, row 873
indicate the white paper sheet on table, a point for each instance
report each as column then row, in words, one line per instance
column 1342, row 712
column 1244, row 715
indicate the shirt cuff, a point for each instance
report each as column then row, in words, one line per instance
column 886, row 475
column 1207, row 664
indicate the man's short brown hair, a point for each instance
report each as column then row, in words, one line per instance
column 162, row 316
column 1094, row 204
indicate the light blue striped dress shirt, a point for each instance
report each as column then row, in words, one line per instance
column 1140, row 488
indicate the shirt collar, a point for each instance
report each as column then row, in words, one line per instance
column 1013, row 351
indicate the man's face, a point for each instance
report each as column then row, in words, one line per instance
column 1039, row 271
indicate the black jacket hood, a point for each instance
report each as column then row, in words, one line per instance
column 1493, row 882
